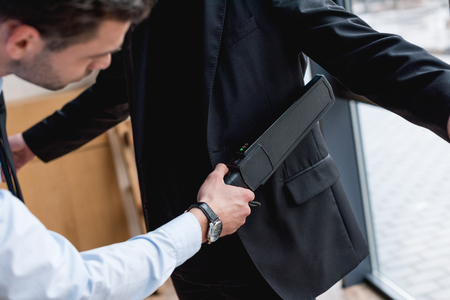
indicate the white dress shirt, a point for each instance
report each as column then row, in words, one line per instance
column 36, row 263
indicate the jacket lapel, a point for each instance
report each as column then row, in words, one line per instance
column 214, row 18
column 213, row 28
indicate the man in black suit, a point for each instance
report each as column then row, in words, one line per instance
column 52, row 43
column 197, row 78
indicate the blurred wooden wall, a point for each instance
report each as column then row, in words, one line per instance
column 76, row 195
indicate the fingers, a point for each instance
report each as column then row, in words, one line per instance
column 249, row 195
column 221, row 170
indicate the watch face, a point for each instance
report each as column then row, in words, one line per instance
column 215, row 229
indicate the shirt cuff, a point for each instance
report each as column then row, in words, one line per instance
column 186, row 233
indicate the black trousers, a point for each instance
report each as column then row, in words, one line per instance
column 258, row 289
column 233, row 278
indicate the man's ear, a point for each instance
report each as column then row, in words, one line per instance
column 23, row 40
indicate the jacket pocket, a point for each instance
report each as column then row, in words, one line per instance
column 313, row 180
column 240, row 31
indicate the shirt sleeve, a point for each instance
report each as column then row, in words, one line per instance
column 40, row 264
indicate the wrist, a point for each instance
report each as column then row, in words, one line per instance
column 215, row 225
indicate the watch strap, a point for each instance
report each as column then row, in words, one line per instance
column 209, row 213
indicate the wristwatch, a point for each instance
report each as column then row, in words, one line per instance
column 215, row 224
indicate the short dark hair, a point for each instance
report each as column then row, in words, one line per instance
column 65, row 22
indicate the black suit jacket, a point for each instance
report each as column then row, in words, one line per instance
column 246, row 60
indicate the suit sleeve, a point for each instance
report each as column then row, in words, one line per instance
column 385, row 68
column 97, row 109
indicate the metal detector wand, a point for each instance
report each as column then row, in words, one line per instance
column 257, row 160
